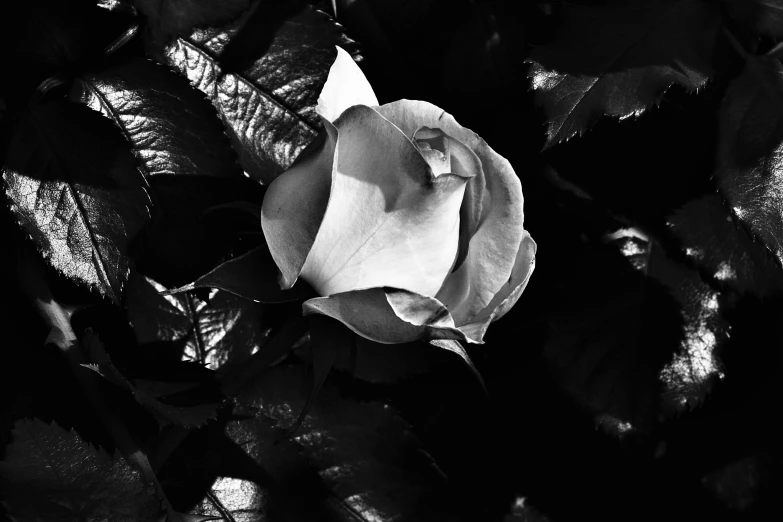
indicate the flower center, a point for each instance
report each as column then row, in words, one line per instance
column 435, row 147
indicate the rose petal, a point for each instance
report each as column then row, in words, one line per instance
column 389, row 221
column 295, row 203
column 388, row 315
column 492, row 250
column 508, row 295
column 345, row 87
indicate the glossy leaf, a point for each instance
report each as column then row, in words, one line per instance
column 716, row 242
column 748, row 166
column 223, row 331
column 362, row 461
column 268, row 107
column 76, row 190
column 172, row 127
column 618, row 59
column 179, row 140
column 49, row 473
column 146, row 395
column 764, row 17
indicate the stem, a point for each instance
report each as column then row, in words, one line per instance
column 735, row 44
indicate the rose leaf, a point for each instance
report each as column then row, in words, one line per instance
column 49, row 473
column 218, row 333
column 619, row 59
column 145, row 393
column 269, row 106
column 348, row 461
column 179, row 140
column 764, row 17
column 253, row 276
column 76, row 190
column 748, row 165
column 713, row 240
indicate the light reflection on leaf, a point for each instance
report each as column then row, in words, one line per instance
column 223, row 330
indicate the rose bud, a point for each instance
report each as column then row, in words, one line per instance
column 409, row 225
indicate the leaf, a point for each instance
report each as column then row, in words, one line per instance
column 188, row 172
column 219, row 333
column 349, row 461
column 619, row 59
column 178, row 17
column 713, row 239
column 165, row 413
column 748, row 165
column 253, row 276
column 764, row 17
column 75, row 189
column 51, row 474
column 153, row 106
column 268, row 107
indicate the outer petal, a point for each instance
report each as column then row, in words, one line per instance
column 492, row 250
column 390, row 221
column 508, row 295
column 388, row 315
column 295, row 203
column 345, row 87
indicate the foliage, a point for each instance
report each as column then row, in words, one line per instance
column 154, row 370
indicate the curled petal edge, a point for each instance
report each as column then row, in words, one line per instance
column 388, row 315
column 508, row 295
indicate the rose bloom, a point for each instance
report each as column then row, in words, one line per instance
column 409, row 225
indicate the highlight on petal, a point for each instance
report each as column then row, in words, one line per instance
column 295, row 203
column 389, row 220
column 492, row 249
column 388, row 315
column 345, row 87
column 508, row 295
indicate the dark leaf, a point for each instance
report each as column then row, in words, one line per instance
column 51, row 474
column 75, row 189
column 696, row 365
column 618, row 60
column 268, row 107
column 370, row 465
column 189, row 162
column 739, row 483
column 195, row 416
column 252, row 276
column 748, row 166
column 221, row 332
column 169, row 18
column 764, row 17
column 713, row 239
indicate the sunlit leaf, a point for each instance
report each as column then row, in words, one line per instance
column 764, row 17
column 713, row 239
column 184, row 152
column 172, row 127
column 76, row 190
column 748, row 166
column 363, row 459
column 165, row 413
column 619, row 59
column 223, row 331
column 268, row 107
column 49, row 473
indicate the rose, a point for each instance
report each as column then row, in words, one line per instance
column 409, row 225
